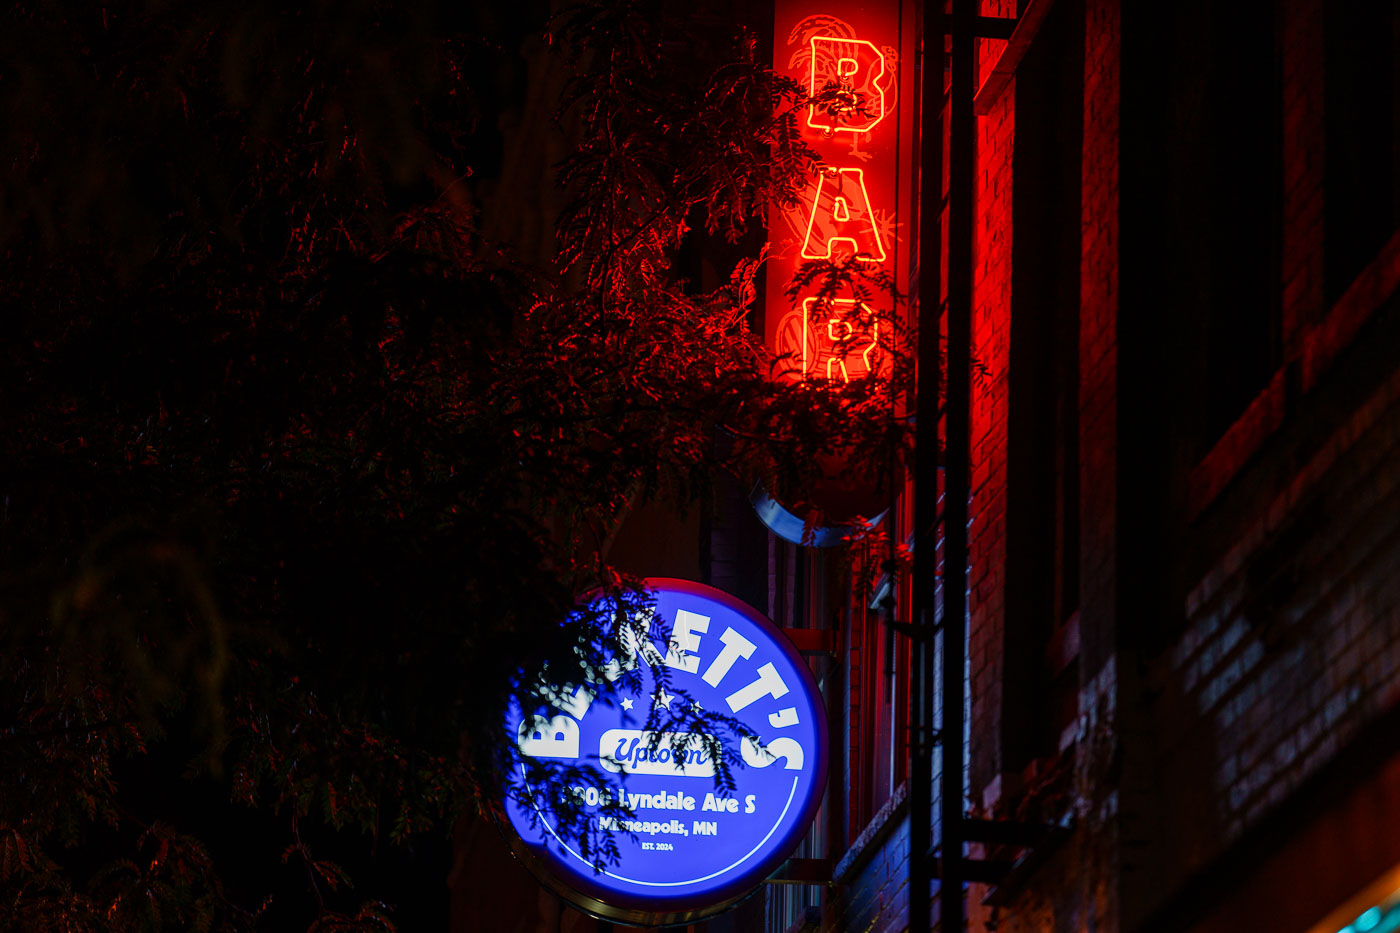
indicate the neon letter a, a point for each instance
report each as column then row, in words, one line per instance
column 841, row 212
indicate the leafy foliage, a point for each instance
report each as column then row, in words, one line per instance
column 300, row 473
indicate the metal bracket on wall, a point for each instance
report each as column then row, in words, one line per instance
column 910, row 630
column 1034, row 853
column 884, row 587
column 1031, row 837
column 802, row 871
column 1018, row 42
column 935, row 738
column 1005, row 875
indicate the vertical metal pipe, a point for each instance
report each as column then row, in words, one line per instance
column 962, row 151
column 926, row 466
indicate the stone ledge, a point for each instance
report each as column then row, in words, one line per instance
column 874, row 835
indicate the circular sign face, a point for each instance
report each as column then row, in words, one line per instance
column 686, row 849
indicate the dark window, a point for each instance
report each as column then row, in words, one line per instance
column 1042, row 601
column 1240, row 182
column 878, row 680
column 1361, row 202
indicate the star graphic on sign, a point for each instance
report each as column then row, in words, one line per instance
column 627, row 703
column 664, row 699
column 695, row 704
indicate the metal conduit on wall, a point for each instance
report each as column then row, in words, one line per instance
column 949, row 624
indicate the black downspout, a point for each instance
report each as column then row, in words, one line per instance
column 962, row 145
column 926, row 465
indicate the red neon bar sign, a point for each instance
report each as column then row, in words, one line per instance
column 850, row 67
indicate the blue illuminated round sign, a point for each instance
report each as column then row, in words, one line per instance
column 686, row 849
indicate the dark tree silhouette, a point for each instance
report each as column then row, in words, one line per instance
column 299, row 473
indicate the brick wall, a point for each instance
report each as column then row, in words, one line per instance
column 1098, row 360
column 1090, row 901
column 991, row 339
column 874, row 897
column 1293, row 639
column 1290, row 643
column 1076, row 886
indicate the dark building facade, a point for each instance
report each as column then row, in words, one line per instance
column 1182, row 673
column 1184, row 522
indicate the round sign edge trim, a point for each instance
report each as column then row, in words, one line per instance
column 671, row 910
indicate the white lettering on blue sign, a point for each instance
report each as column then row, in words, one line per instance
column 720, row 656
